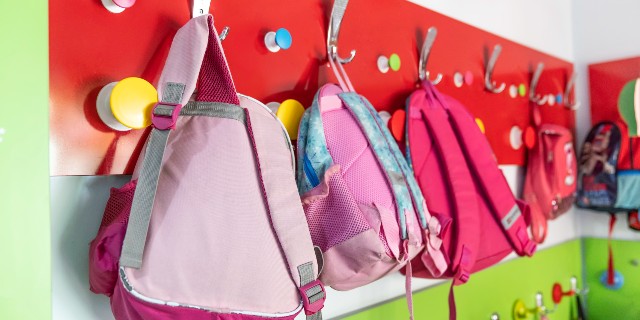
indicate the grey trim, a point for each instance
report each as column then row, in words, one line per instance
column 143, row 198
column 315, row 316
column 215, row 109
column 314, row 293
column 173, row 92
column 136, row 235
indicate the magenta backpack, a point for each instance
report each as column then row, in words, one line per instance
column 211, row 225
column 551, row 178
column 480, row 220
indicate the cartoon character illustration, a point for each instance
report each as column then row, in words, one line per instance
column 594, row 156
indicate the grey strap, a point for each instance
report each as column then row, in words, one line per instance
column 144, row 196
column 314, row 293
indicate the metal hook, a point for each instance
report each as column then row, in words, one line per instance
column 337, row 13
column 424, row 56
column 489, row 84
column 573, row 105
column 224, row 33
column 533, row 96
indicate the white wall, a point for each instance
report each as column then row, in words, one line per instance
column 78, row 201
column 603, row 31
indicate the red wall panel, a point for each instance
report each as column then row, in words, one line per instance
column 90, row 47
column 605, row 83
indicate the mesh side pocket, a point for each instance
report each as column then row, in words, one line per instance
column 119, row 205
column 104, row 251
column 336, row 218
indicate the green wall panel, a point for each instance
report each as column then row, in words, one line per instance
column 605, row 304
column 494, row 289
column 25, row 279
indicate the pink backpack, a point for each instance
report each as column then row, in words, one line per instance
column 478, row 218
column 364, row 207
column 211, row 224
column 551, row 179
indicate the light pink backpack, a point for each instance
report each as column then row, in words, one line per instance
column 480, row 220
column 551, row 178
column 211, row 225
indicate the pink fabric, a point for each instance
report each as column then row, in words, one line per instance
column 126, row 306
column 210, row 219
column 551, row 164
column 359, row 261
column 104, row 250
column 352, row 213
column 276, row 169
column 328, row 220
column 453, row 179
column 214, row 81
column 184, row 259
column 196, row 59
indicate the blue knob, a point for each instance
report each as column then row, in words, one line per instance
column 283, row 38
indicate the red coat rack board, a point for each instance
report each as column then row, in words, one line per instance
column 606, row 80
column 91, row 47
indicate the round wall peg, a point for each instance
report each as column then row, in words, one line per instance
column 513, row 91
column 480, row 124
column 468, row 78
column 396, row 124
column 276, row 40
column 458, row 79
column 518, row 137
column 273, row 106
column 522, row 90
column 392, row 62
column 383, row 64
column 117, row 6
column 126, row 104
column 385, row 116
column 515, row 138
column 290, row 112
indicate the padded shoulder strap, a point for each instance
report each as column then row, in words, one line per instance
column 195, row 59
column 467, row 220
column 489, row 177
column 283, row 205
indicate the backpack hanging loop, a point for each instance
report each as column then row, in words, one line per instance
column 423, row 73
column 489, row 84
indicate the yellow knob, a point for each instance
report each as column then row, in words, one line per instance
column 131, row 102
column 290, row 112
column 480, row 124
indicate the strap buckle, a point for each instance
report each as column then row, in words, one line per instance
column 313, row 297
column 165, row 115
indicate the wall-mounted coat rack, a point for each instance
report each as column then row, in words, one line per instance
column 82, row 145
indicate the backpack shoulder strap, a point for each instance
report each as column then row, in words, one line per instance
column 491, row 181
column 460, row 181
column 195, row 59
column 284, row 208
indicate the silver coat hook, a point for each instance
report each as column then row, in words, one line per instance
column 568, row 103
column 337, row 13
column 533, row 96
column 224, row 33
column 423, row 73
column 489, row 84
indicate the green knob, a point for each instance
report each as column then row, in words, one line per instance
column 394, row 62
